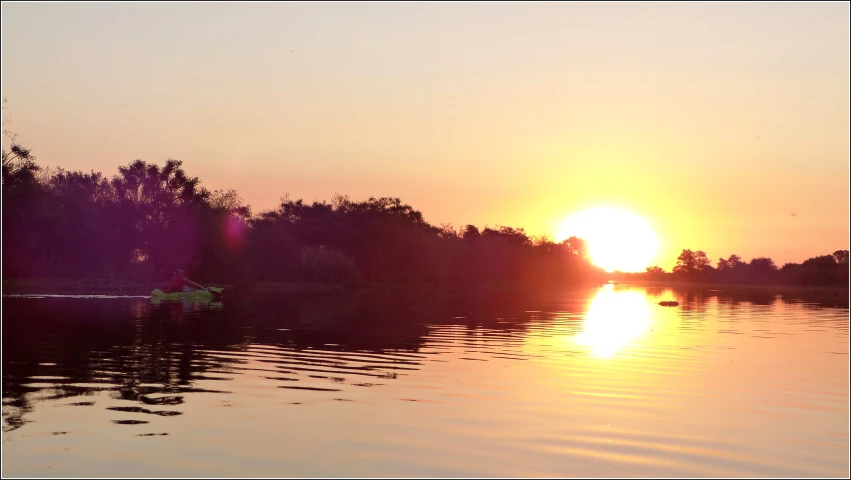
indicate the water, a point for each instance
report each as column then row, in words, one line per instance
column 592, row 382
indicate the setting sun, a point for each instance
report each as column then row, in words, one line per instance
column 617, row 239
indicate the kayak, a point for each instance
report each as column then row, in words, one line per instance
column 199, row 295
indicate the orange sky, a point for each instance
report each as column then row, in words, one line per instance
column 715, row 122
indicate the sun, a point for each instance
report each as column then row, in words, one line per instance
column 617, row 239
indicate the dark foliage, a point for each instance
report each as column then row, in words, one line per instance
column 824, row 270
column 148, row 220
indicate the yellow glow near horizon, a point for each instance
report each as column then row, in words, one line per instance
column 617, row 239
column 536, row 137
column 614, row 319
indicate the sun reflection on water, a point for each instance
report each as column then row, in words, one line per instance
column 614, row 319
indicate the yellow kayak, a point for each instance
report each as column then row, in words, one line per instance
column 215, row 293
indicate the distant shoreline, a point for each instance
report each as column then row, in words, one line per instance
column 680, row 284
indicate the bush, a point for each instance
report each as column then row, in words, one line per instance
column 327, row 265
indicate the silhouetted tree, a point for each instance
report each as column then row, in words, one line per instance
column 763, row 265
column 690, row 263
column 577, row 246
column 732, row 263
column 19, row 165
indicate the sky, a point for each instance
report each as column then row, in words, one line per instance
column 724, row 125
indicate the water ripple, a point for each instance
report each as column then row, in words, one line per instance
column 585, row 383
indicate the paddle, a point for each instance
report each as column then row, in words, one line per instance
column 216, row 292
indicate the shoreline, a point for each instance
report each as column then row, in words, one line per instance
column 680, row 284
column 54, row 286
column 48, row 286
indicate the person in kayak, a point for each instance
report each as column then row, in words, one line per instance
column 179, row 283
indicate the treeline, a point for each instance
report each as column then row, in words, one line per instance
column 695, row 266
column 147, row 220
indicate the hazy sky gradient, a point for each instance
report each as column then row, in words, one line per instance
column 715, row 122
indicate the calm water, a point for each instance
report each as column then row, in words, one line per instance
column 592, row 382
